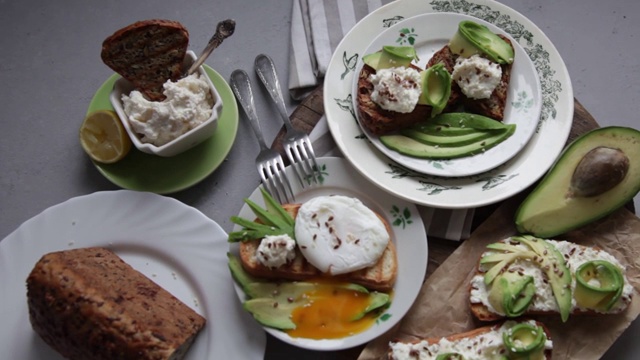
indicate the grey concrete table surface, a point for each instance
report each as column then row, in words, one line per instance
column 50, row 68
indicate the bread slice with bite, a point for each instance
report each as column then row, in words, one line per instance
column 147, row 53
column 476, row 337
column 380, row 277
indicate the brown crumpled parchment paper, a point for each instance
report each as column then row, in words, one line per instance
column 442, row 306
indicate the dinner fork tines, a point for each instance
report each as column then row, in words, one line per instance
column 296, row 143
column 269, row 162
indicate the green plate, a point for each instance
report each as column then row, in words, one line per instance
column 164, row 175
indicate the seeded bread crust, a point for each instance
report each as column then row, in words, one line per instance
column 147, row 53
column 472, row 334
column 380, row 277
column 483, row 313
column 89, row 304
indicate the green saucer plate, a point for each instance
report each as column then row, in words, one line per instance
column 164, row 175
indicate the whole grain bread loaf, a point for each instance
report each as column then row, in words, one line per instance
column 380, row 277
column 147, row 53
column 89, row 304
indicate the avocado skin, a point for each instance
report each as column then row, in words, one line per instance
column 549, row 210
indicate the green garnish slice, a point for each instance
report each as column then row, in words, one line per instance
column 275, row 220
column 436, row 88
column 599, row 285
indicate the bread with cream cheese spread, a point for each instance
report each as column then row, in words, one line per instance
column 89, row 304
column 380, row 277
column 147, row 53
column 474, row 337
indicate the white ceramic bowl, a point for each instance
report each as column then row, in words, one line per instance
column 185, row 141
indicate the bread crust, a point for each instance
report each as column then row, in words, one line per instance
column 89, row 304
column 471, row 334
column 380, row 277
column 147, row 53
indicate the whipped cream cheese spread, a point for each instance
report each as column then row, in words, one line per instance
column 396, row 89
column 339, row 234
column 476, row 76
column 544, row 299
column 189, row 103
column 483, row 346
column 276, row 250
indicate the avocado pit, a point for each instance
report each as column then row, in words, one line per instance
column 600, row 170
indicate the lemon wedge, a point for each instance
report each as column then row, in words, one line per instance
column 103, row 137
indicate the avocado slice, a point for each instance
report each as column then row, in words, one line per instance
column 552, row 262
column 239, row 274
column 572, row 194
column 468, row 120
column 512, row 293
column 272, row 313
column 412, row 147
column 377, row 301
column 472, row 38
column 390, row 57
column 447, row 141
column 441, row 130
column 599, row 285
column 436, row 88
column 525, row 341
column 285, row 291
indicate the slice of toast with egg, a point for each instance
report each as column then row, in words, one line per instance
column 381, row 276
column 147, row 53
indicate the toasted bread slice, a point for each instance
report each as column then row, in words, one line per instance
column 377, row 120
column 483, row 313
column 495, row 105
column 380, row 277
column 475, row 335
column 147, row 53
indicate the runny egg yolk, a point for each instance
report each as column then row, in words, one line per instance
column 330, row 312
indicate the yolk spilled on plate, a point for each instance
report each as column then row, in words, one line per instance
column 330, row 313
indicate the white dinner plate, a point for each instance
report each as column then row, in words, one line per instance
column 408, row 234
column 429, row 33
column 173, row 244
column 471, row 191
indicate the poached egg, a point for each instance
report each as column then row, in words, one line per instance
column 339, row 234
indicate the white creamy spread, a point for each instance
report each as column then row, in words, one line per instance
column 339, row 234
column 189, row 103
column 484, row 346
column 396, row 89
column 276, row 250
column 544, row 299
column 476, row 76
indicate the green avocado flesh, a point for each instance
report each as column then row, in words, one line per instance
column 438, row 138
column 540, row 252
column 436, row 88
column 525, row 341
column 472, row 38
column 512, row 293
column 390, row 57
column 272, row 303
column 577, row 190
column 598, row 285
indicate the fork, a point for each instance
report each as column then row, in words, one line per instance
column 296, row 143
column 269, row 162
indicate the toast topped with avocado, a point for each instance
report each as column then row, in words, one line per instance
column 147, row 53
column 524, row 275
column 509, row 340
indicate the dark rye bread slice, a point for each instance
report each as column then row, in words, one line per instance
column 377, row 120
column 147, row 53
column 89, row 304
column 381, row 276
column 472, row 334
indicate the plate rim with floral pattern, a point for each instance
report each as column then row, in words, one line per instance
column 471, row 191
column 430, row 32
column 408, row 233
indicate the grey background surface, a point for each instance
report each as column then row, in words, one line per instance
column 50, row 67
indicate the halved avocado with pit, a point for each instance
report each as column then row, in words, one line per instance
column 595, row 175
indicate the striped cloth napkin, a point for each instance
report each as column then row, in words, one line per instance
column 317, row 26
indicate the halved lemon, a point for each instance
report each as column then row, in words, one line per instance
column 103, row 137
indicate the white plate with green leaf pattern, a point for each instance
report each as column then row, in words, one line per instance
column 502, row 182
column 408, row 235
column 428, row 33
